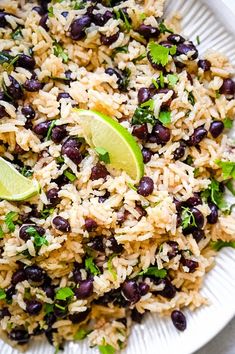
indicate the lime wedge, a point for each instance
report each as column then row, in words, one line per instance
column 101, row 131
column 14, row 186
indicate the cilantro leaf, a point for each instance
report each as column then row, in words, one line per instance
column 59, row 52
column 46, row 212
column 91, row 267
column 160, row 54
column 163, row 29
column 188, row 218
column 79, row 5
column 70, row 175
column 106, row 349
column 81, row 334
column 26, row 171
column 17, row 34
column 2, row 294
column 231, row 187
column 191, row 98
column 198, row 40
column 50, row 11
column 120, row 14
column 9, row 220
column 228, row 123
column 103, row 154
column 38, row 239
column 228, row 168
column 154, row 271
column 215, row 194
column 165, row 117
column 172, row 79
column 1, row 233
column 64, row 293
column 149, row 104
column 139, row 58
column 143, row 115
column 48, row 308
column 52, row 125
column 110, row 267
column 123, row 49
column 131, row 186
column 218, row 245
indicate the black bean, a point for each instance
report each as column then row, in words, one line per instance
column 198, row 216
column 161, row 133
column 21, row 336
column 136, row 316
column 38, row 331
column 33, row 307
column 10, row 292
column 180, row 151
column 26, row 61
column 147, row 155
column 146, row 186
column 71, row 148
column 4, row 312
column 61, row 309
column 148, row 31
column 96, row 244
column 212, row 218
column 42, row 128
column 44, row 4
column 14, row 90
column 85, row 289
column 43, row 22
column 78, row 26
column 144, row 95
column 98, row 171
column 198, row 235
column 28, row 112
column 179, row 320
column 109, row 40
column 64, row 14
column 143, row 288
column 174, row 249
column 3, row 21
column 77, row 276
column 153, row 64
column 104, row 197
column 113, row 245
column 52, row 196
column 193, row 201
column 58, row 133
column 24, row 235
column 35, row 274
column 166, row 104
column 216, row 128
column 102, row 19
column 3, row 112
column 141, row 211
column 228, row 88
column 130, row 291
column 178, row 204
column 169, row 290
column 166, row 44
column 49, row 335
column 50, row 291
column 50, row 319
column 39, row 10
column 63, row 95
column 205, row 65
column 68, row 75
column 199, row 134
column 32, row 85
column 175, row 38
column 78, row 317
column 18, row 276
column 188, row 49
column 90, row 224
column 140, row 131
column 61, row 224
column 190, row 264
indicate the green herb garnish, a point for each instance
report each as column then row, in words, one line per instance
column 230, row 186
column 1, row 233
column 123, row 49
column 2, row 294
column 48, row 308
column 143, row 115
column 91, row 266
column 106, row 349
column 10, row 220
column 163, row 29
column 110, row 267
column 50, row 11
column 218, row 245
column 165, row 117
column 64, row 293
column 71, row 177
column 81, row 334
column 154, row 271
column 160, row 54
column 188, row 218
column 79, row 5
column 172, row 79
column 228, row 168
column 103, row 154
column 228, row 123
column 52, row 125
column 26, row 171
column 47, row 212
column 198, row 40
column 215, row 195
column 59, row 52
column 191, row 98
column 38, row 239
column 17, row 34
column 139, row 58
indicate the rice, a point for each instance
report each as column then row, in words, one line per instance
column 119, row 252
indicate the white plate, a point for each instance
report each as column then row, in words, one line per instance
column 157, row 335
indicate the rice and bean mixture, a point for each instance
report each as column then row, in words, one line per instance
column 95, row 252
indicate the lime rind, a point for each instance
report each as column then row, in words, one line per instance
column 132, row 161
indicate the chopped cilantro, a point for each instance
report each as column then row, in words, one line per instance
column 60, row 159
column 131, row 186
column 17, row 34
column 110, row 267
column 149, row 104
column 125, row 19
column 154, row 271
column 47, row 212
column 26, row 171
column 91, row 267
column 172, row 79
column 198, row 40
column 81, row 334
column 191, row 98
column 228, row 168
column 123, row 49
column 70, row 176
column 189, row 160
column 228, row 123
column 125, row 80
column 60, row 307
column 50, row 11
column 143, row 115
column 103, row 154
column 1, row 233
column 52, row 125
column 154, row 82
column 2, row 294
column 59, row 52
column 160, row 54
column 7, row 61
column 4, row 87
column 143, row 16
column 218, row 245
column 188, row 218
column 161, row 80
column 139, row 58
column 48, row 308
column 79, row 5
column 215, row 194
column 230, row 186
column 163, row 29
column 165, row 117
column 9, row 220
column 217, row 94
column 196, row 172
column 106, row 349
column 38, row 239
column 64, row 293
